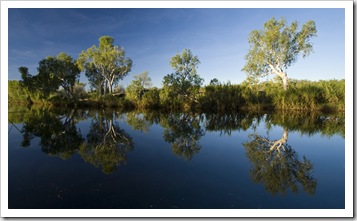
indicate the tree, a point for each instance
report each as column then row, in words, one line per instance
column 53, row 72
column 214, row 82
column 106, row 64
column 137, row 87
column 62, row 70
column 276, row 47
column 185, row 81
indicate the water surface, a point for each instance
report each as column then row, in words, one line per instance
column 107, row 159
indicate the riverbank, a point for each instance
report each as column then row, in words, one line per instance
column 326, row 96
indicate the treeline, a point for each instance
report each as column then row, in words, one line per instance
column 57, row 84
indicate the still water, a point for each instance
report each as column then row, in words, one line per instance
column 134, row 160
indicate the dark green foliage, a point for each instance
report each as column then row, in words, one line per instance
column 225, row 123
column 309, row 122
column 222, row 98
column 302, row 95
column 214, row 81
column 151, row 98
column 58, row 133
column 53, row 72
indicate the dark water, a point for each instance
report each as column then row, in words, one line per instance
column 107, row 159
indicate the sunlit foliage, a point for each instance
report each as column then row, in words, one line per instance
column 105, row 65
column 276, row 47
column 183, row 85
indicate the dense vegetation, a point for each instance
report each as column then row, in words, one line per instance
column 302, row 95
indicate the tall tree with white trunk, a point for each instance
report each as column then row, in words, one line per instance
column 108, row 60
column 277, row 46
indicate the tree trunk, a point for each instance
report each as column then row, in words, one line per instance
column 105, row 88
column 284, row 78
column 285, row 81
column 110, row 87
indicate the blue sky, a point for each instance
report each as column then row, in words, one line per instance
column 219, row 37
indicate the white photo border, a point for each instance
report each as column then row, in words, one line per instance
column 347, row 212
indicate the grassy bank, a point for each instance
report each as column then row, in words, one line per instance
column 302, row 95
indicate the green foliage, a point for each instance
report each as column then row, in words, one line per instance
column 214, row 81
column 137, row 121
column 222, row 98
column 309, row 123
column 138, row 87
column 227, row 122
column 151, row 98
column 183, row 131
column 277, row 165
column 276, row 47
column 17, row 93
column 307, row 95
column 183, row 85
column 107, row 144
column 302, row 95
column 57, row 131
column 105, row 65
column 53, row 72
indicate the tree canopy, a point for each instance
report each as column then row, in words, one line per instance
column 106, row 64
column 53, row 72
column 185, row 81
column 136, row 88
column 277, row 46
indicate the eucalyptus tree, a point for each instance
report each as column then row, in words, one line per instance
column 276, row 47
column 185, row 81
column 106, row 64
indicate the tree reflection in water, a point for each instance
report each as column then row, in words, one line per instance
column 137, row 121
column 57, row 131
column 277, row 165
column 107, row 144
column 183, row 131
